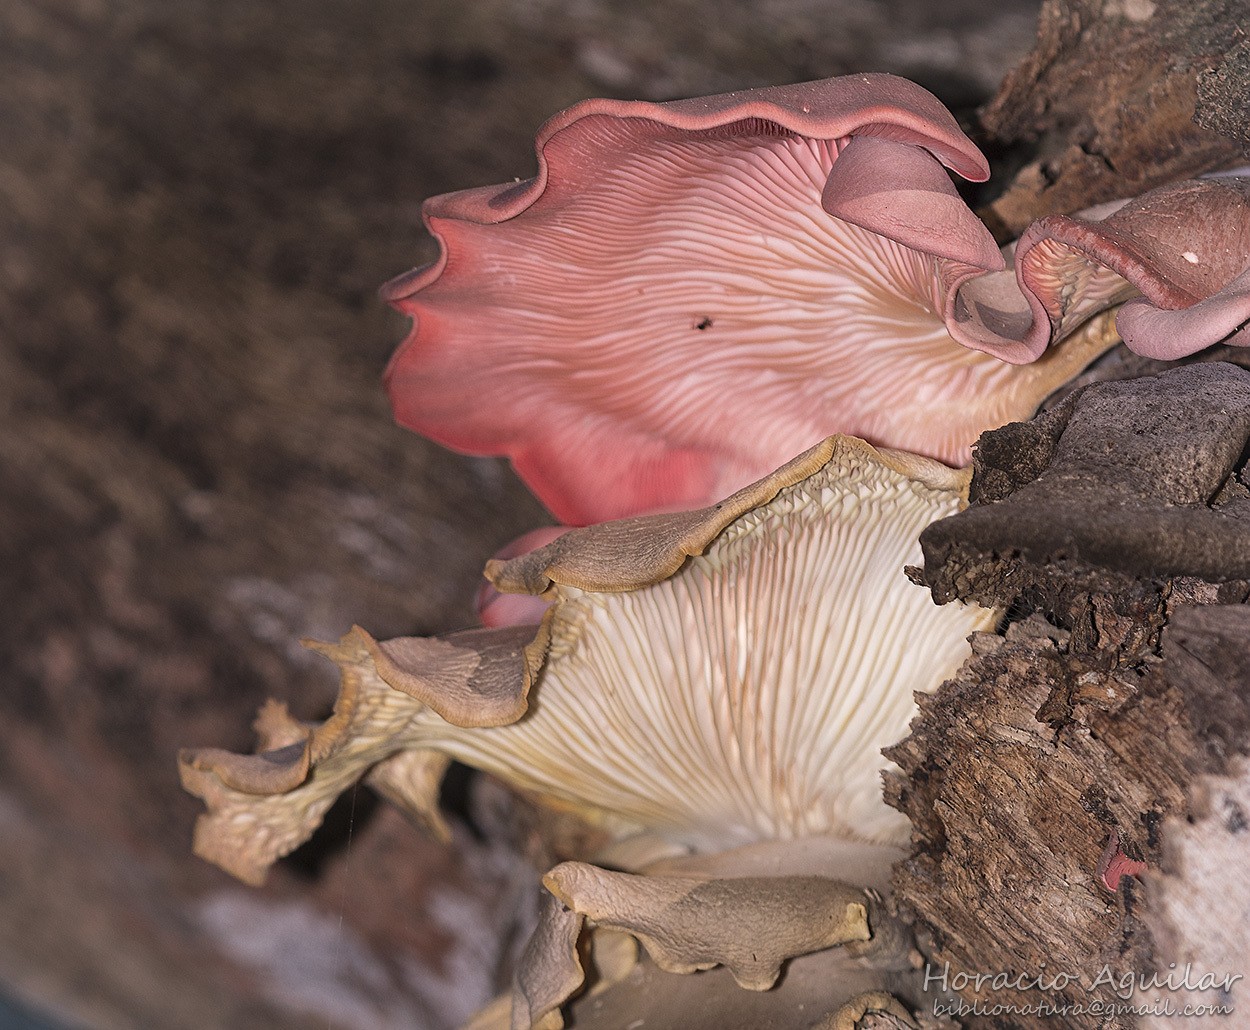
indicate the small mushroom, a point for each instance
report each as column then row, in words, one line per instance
column 750, row 925
column 747, row 911
column 688, row 293
column 1114, row 864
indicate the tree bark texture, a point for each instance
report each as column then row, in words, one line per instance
column 1117, row 97
column 1114, row 531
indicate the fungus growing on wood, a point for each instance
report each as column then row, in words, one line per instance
column 688, row 293
column 703, row 681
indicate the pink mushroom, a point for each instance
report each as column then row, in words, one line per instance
column 496, row 609
column 1114, row 864
column 687, row 293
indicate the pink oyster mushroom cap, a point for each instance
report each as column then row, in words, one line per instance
column 689, row 293
column 496, row 609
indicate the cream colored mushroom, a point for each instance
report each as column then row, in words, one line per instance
column 703, row 681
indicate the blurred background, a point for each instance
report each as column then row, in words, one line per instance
column 198, row 200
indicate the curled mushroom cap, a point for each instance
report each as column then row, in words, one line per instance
column 712, row 677
column 712, row 687
column 1186, row 249
column 745, row 912
column 794, row 260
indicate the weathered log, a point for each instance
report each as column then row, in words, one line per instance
column 1077, row 738
column 1117, row 97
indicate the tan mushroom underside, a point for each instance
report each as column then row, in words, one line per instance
column 747, row 696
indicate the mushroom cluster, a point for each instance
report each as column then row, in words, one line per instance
column 682, row 298
column 706, row 685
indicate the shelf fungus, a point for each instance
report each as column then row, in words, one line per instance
column 710, row 688
column 795, row 259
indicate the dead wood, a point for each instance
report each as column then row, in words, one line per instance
column 1095, row 718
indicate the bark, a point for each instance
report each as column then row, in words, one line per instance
column 1116, row 687
column 1117, row 97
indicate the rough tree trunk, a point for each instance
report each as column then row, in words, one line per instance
column 1115, row 532
column 1117, row 97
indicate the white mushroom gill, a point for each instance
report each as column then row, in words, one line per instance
column 712, row 678
column 748, row 696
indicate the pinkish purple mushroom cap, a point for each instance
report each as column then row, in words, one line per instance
column 686, row 293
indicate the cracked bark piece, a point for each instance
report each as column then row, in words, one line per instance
column 1207, row 652
column 1121, row 477
column 1009, row 811
column 1108, row 96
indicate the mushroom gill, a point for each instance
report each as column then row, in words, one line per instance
column 794, row 259
column 713, row 677
column 706, row 684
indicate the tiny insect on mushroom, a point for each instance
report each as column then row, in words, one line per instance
column 688, row 293
column 704, row 682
